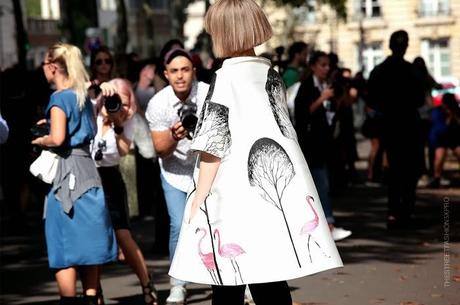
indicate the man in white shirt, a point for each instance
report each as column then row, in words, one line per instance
column 171, row 114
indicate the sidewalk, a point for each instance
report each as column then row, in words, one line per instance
column 416, row 267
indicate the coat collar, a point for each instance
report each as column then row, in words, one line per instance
column 246, row 59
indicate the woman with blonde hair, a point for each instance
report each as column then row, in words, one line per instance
column 79, row 233
column 253, row 215
column 115, row 132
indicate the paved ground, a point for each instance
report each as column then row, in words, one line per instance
column 416, row 267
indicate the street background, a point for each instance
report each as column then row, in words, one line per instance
column 413, row 267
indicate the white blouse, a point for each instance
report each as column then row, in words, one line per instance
column 107, row 143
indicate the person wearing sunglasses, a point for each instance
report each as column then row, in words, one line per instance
column 101, row 64
column 79, row 234
column 115, row 132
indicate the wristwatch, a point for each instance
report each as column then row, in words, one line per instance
column 118, row 129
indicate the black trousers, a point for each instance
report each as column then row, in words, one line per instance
column 404, row 171
column 263, row 294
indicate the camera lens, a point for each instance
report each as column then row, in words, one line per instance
column 189, row 122
column 112, row 103
column 187, row 116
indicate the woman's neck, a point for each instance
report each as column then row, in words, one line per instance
column 103, row 77
column 61, row 82
column 249, row 52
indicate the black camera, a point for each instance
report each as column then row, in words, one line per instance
column 40, row 130
column 112, row 103
column 187, row 115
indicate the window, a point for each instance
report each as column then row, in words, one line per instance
column 434, row 8
column 43, row 9
column 108, row 5
column 368, row 8
column 372, row 55
column 50, row 9
column 310, row 16
column 437, row 56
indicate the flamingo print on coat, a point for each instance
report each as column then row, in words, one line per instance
column 207, row 258
column 310, row 226
column 230, row 251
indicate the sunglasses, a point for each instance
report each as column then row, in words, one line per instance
column 101, row 146
column 106, row 61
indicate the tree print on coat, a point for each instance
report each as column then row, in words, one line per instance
column 310, row 226
column 213, row 133
column 230, row 251
column 208, row 98
column 212, row 130
column 271, row 169
column 277, row 97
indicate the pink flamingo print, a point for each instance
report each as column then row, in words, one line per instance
column 230, row 251
column 310, row 226
column 207, row 258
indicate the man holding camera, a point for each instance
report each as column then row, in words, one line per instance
column 172, row 115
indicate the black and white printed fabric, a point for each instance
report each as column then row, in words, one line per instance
column 262, row 220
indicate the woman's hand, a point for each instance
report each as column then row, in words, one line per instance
column 39, row 141
column 146, row 76
column 178, row 132
column 108, row 89
column 117, row 118
column 209, row 165
column 327, row 93
column 193, row 210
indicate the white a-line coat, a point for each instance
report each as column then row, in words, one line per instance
column 262, row 220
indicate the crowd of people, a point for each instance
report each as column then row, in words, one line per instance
column 213, row 159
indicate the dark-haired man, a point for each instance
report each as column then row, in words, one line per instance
column 172, row 142
column 396, row 91
column 297, row 61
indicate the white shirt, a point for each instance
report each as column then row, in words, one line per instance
column 327, row 103
column 161, row 115
column 107, row 142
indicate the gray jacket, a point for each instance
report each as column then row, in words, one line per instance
column 76, row 174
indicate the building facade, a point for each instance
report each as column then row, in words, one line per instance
column 362, row 41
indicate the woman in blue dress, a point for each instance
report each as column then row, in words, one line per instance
column 79, row 233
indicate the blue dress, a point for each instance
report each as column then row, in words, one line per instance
column 85, row 235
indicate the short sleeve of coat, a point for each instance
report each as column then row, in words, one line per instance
column 212, row 134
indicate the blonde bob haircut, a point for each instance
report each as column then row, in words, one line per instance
column 236, row 26
column 70, row 61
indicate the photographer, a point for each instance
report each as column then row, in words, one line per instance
column 172, row 114
column 343, row 169
column 115, row 131
column 315, row 123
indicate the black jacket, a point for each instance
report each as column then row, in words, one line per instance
column 313, row 131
